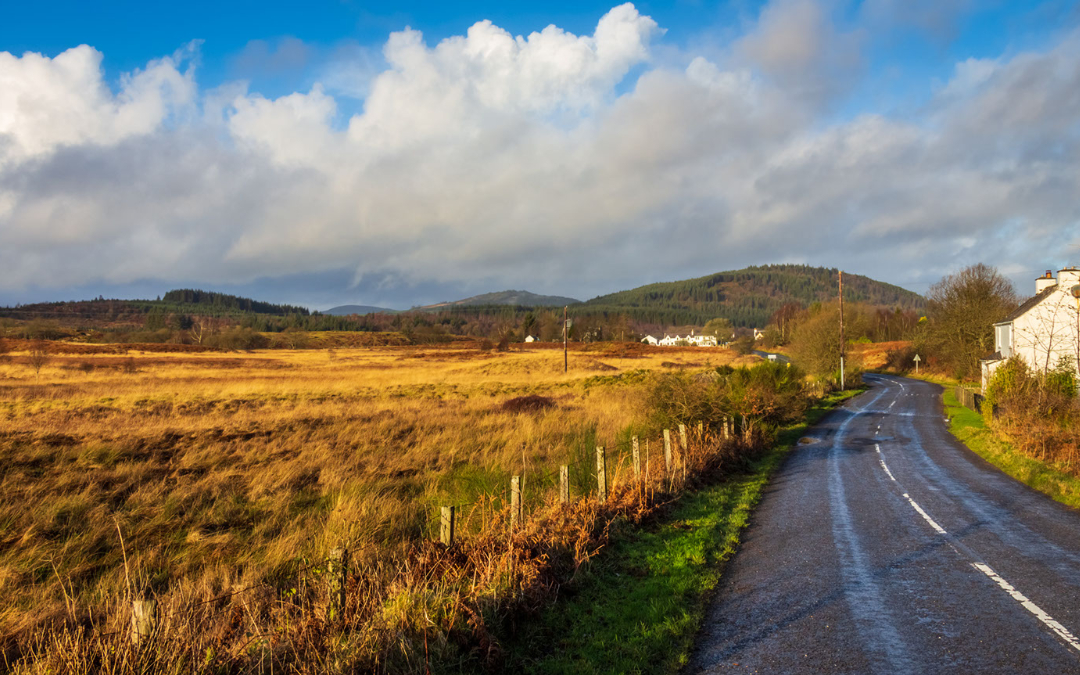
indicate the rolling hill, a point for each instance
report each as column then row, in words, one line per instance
column 746, row 297
column 513, row 298
column 347, row 310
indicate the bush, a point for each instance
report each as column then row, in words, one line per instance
column 1038, row 413
column 743, row 345
column 767, row 396
column 530, row 403
column 238, row 338
column 900, row 360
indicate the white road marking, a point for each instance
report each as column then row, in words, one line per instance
column 884, row 465
column 1027, row 604
column 925, row 515
column 892, row 404
column 1030, row 606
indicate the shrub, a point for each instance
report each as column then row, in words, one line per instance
column 743, row 345
column 238, row 338
column 530, row 403
column 766, row 396
column 900, row 360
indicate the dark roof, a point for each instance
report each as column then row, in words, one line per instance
column 1028, row 304
column 996, row 356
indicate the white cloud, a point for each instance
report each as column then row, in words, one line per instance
column 46, row 103
column 516, row 160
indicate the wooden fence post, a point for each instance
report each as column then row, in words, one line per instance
column 515, row 502
column 636, row 453
column 667, row 450
column 564, row 484
column 446, row 525
column 701, row 429
column 337, row 567
column 727, row 433
column 683, row 444
column 143, row 620
column 601, row 474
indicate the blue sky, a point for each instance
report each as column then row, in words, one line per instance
column 240, row 146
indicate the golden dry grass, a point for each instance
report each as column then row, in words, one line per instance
column 230, row 471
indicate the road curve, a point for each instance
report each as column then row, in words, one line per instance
column 886, row 546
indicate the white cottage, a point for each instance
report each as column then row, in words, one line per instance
column 1044, row 330
column 650, row 340
column 529, row 338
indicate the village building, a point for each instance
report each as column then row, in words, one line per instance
column 529, row 338
column 691, row 340
column 1044, row 331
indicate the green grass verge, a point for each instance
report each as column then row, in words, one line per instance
column 639, row 606
column 970, row 428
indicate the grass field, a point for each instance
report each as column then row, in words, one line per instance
column 197, row 475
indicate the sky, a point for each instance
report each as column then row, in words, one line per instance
column 400, row 154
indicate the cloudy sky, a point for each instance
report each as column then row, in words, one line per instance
column 397, row 154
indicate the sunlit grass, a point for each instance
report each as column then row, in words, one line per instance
column 226, row 470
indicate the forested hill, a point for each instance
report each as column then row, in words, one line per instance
column 746, row 297
column 514, row 298
column 178, row 303
column 225, row 302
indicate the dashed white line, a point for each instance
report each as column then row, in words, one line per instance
column 1030, row 606
column 925, row 515
column 1027, row 604
column 883, row 464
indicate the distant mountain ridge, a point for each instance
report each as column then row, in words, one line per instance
column 347, row 310
column 515, row 298
column 746, row 297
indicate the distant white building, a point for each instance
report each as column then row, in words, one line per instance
column 758, row 334
column 529, row 338
column 676, row 340
column 1044, row 331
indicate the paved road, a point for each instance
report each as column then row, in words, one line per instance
column 779, row 357
column 887, row 547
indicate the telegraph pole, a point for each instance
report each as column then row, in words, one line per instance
column 841, row 330
column 565, row 358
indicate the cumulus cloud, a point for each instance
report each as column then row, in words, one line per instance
column 527, row 161
column 46, row 102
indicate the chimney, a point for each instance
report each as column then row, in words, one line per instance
column 1068, row 277
column 1044, row 282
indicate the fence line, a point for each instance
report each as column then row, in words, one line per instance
column 693, row 445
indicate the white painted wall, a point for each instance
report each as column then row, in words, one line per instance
column 1049, row 331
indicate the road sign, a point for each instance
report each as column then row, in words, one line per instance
column 917, row 359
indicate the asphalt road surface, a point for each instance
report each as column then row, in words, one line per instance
column 885, row 546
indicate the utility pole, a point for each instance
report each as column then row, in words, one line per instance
column 841, row 330
column 565, row 358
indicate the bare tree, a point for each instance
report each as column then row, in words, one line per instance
column 39, row 356
column 962, row 310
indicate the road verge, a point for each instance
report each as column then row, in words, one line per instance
column 970, row 429
column 639, row 606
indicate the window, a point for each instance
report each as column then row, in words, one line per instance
column 1003, row 339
